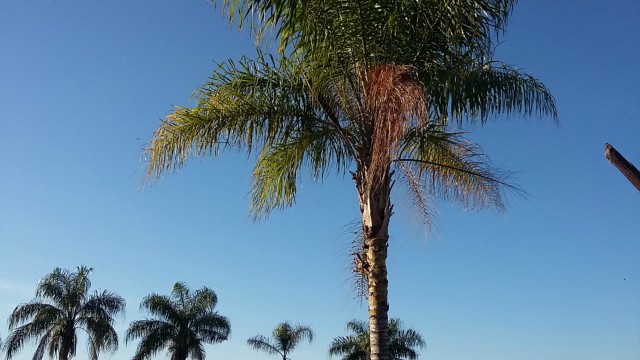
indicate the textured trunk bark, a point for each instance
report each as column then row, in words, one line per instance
column 181, row 354
column 376, row 209
column 68, row 343
column 64, row 352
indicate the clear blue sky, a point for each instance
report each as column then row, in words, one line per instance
column 83, row 85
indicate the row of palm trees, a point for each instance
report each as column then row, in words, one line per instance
column 181, row 323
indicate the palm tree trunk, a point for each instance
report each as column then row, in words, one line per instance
column 64, row 352
column 68, row 342
column 376, row 209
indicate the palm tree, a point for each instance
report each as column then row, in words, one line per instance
column 63, row 306
column 183, row 323
column 402, row 343
column 285, row 338
column 376, row 88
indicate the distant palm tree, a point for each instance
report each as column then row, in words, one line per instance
column 183, row 323
column 357, row 346
column 63, row 306
column 285, row 338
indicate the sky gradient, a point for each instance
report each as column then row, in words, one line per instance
column 83, row 85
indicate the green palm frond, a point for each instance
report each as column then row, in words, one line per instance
column 33, row 309
column 212, row 327
column 155, row 337
column 277, row 169
column 453, row 168
column 261, row 342
column 103, row 305
column 285, row 337
column 161, row 306
column 402, row 342
column 104, row 337
column 54, row 286
column 473, row 90
column 197, row 353
column 21, row 335
column 244, row 105
column 141, row 328
column 358, row 327
column 204, row 300
column 40, row 349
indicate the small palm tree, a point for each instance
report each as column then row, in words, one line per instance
column 183, row 323
column 63, row 306
column 402, row 343
column 285, row 338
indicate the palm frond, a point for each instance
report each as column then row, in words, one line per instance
column 40, row 349
column 161, row 306
column 261, row 342
column 478, row 91
column 53, row 285
column 245, row 105
column 141, row 328
column 104, row 305
column 204, row 300
column 21, row 335
column 358, row 327
column 197, row 352
column 102, row 336
column 33, row 309
column 277, row 169
column 418, row 194
column 402, row 343
column 212, row 327
column 154, row 337
column 454, row 168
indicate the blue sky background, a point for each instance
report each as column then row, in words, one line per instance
column 83, row 85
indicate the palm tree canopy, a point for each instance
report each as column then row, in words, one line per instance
column 182, row 324
column 315, row 107
column 62, row 306
column 285, row 338
column 402, row 342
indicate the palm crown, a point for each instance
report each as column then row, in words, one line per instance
column 63, row 306
column 183, row 323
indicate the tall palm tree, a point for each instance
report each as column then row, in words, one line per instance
column 285, row 338
column 183, row 323
column 376, row 88
column 63, row 306
column 402, row 343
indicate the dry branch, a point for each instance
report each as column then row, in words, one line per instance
column 625, row 167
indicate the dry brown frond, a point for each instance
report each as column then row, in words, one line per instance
column 418, row 194
column 394, row 100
